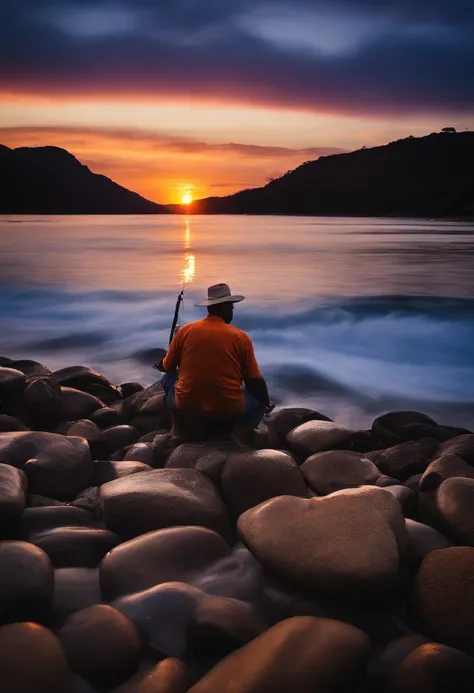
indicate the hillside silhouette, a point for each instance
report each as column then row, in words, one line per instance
column 50, row 180
column 429, row 176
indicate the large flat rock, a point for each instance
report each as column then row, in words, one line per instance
column 349, row 544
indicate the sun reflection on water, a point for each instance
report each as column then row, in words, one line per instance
column 188, row 272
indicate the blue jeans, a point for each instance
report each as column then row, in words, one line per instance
column 251, row 416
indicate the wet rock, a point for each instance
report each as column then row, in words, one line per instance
column 443, row 596
column 74, row 589
column 30, row 368
column 12, row 382
column 56, row 466
column 249, row 478
column 413, row 482
column 462, row 446
column 44, row 400
column 84, row 429
column 433, row 668
column 88, row 380
column 331, row 471
column 131, row 405
column 312, row 544
column 317, row 436
column 112, row 439
column 75, row 547
column 105, row 471
column 130, row 388
column 39, row 519
column 282, row 421
column 162, row 498
column 301, row 654
column 101, row 644
column 12, row 494
column 406, row 459
column 168, row 676
column 62, row 480
column 105, row 417
column 140, row 452
column 26, row 582
column 177, row 554
column 208, row 458
column 78, row 405
column 219, row 626
column 455, row 501
column 444, row 468
column 8, row 424
column 162, row 614
column 387, row 659
column 406, row 497
column 32, row 660
column 162, row 447
column 423, row 540
column 391, row 429
column 153, row 406
column 263, row 437
column 36, row 501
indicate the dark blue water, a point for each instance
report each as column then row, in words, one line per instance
column 351, row 316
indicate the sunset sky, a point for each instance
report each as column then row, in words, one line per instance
column 211, row 96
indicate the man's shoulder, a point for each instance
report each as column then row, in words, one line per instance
column 238, row 333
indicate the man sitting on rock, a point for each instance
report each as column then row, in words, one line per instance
column 205, row 366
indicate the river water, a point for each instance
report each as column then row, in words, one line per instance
column 350, row 316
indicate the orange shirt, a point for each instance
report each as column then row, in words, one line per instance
column 213, row 359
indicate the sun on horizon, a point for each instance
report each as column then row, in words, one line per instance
column 187, row 198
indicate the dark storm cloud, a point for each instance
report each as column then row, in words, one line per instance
column 355, row 55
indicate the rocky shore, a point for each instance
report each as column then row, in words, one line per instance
column 316, row 559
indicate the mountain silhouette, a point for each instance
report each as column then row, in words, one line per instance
column 429, row 176
column 50, row 180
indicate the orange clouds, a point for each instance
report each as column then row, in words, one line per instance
column 162, row 167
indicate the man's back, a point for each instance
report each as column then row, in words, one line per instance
column 213, row 359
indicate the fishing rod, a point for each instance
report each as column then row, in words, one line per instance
column 161, row 353
column 176, row 316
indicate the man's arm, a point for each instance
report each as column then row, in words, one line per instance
column 170, row 362
column 258, row 388
column 253, row 380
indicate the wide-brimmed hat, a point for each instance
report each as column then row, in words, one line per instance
column 219, row 293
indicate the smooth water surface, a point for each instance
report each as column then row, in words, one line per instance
column 351, row 316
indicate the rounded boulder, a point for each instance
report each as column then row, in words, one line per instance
column 168, row 676
column 101, row 645
column 433, row 668
column 442, row 469
column 12, row 494
column 168, row 555
column 26, row 582
column 349, row 544
column 301, row 654
column 32, row 660
column 249, row 478
column 75, row 547
column 455, row 501
column 57, row 466
column 318, row 436
column 162, row 498
column 403, row 460
column 443, row 596
column 334, row 470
